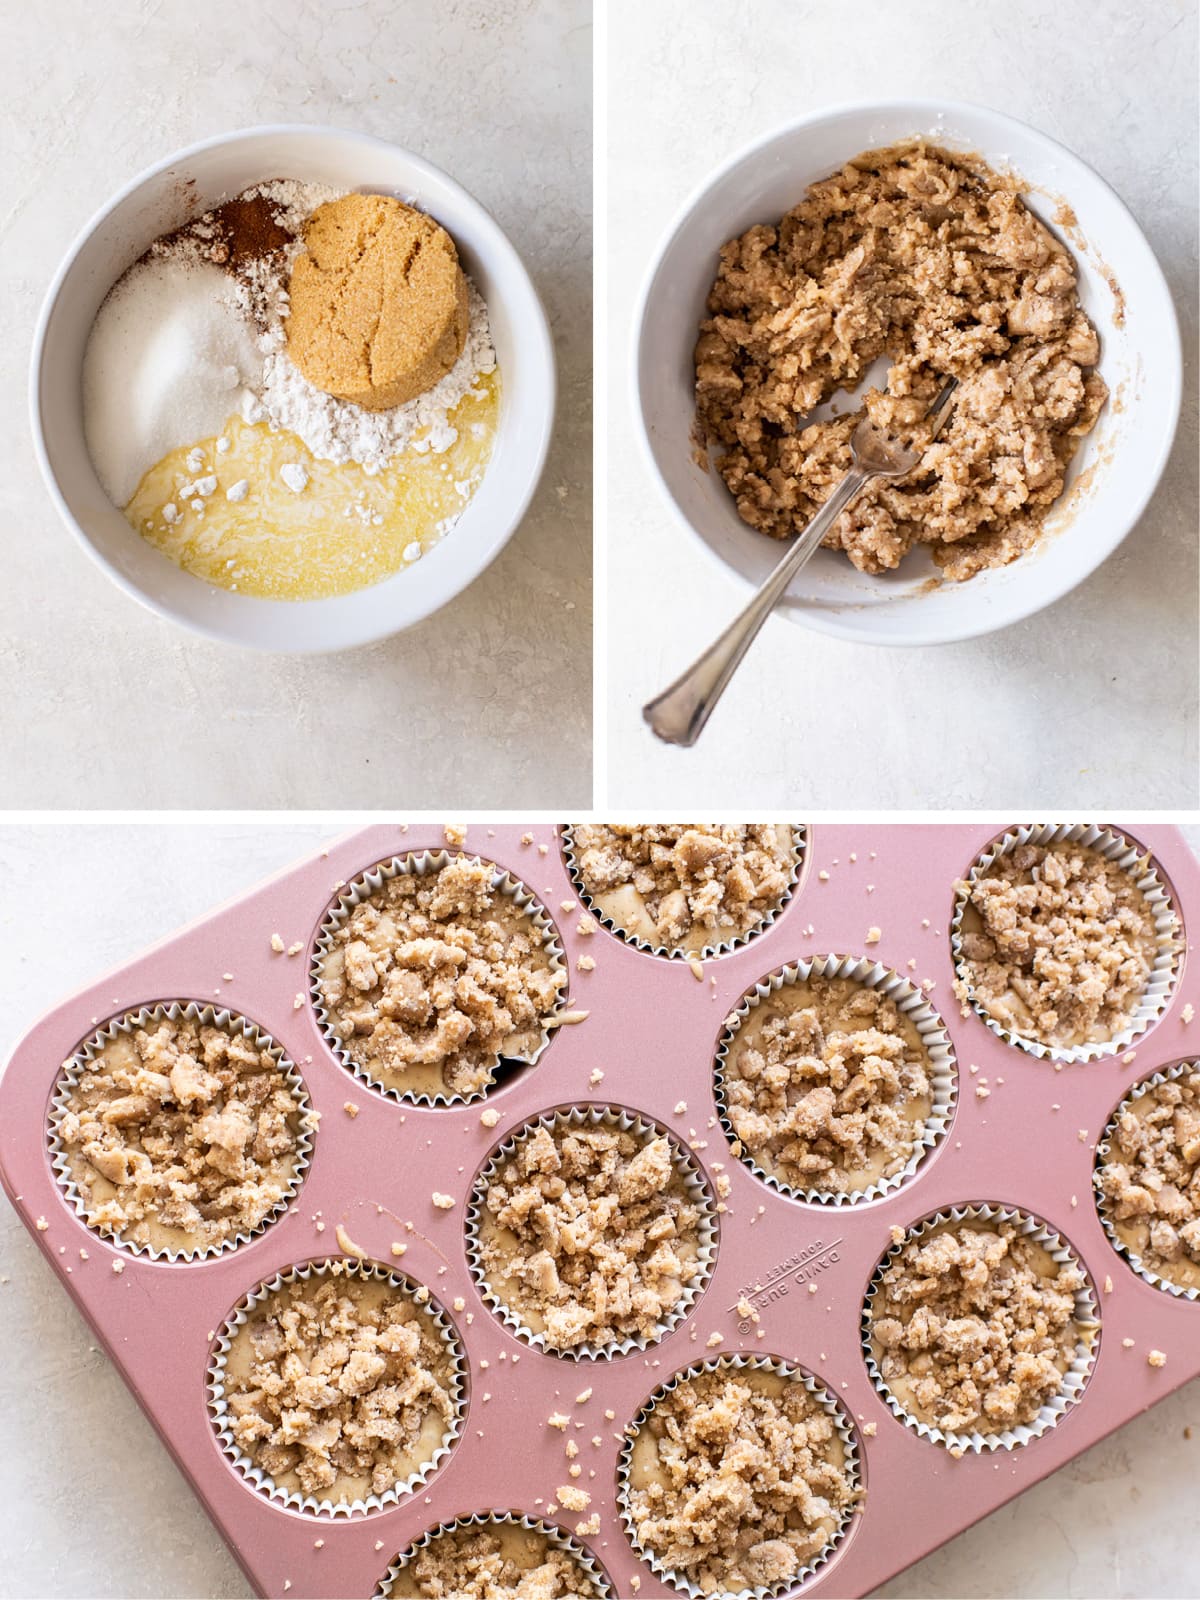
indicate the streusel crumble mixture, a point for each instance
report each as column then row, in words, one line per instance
column 973, row 1327
column 1058, row 944
column 181, row 1135
column 340, row 1386
column 685, row 885
column 493, row 1562
column 589, row 1234
column 827, row 1085
column 433, row 978
column 738, row 1479
column 1151, row 1179
column 931, row 259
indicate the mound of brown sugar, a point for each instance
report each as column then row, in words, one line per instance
column 738, row 1479
column 379, row 308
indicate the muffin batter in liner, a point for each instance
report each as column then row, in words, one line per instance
column 845, row 1431
column 218, row 1408
column 719, row 947
column 1142, row 868
column 1108, row 1222
column 593, row 1117
column 551, row 1532
column 127, row 1022
column 425, row 863
column 1087, row 1315
column 913, row 1003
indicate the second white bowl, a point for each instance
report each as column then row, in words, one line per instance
column 1114, row 472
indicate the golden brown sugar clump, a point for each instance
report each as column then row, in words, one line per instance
column 589, row 1234
column 1058, row 944
column 685, row 885
column 931, row 259
column 738, row 1478
column 339, row 1387
column 827, row 1085
column 973, row 1327
column 1151, row 1179
column 181, row 1135
column 433, row 978
column 491, row 1562
column 379, row 308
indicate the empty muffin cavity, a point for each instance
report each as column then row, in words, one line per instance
column 834, row 1079
column 685, row 890
column 337, row 1386
column 494, row 1554
column 433, row 972
column 1147, row 1179
column 739, row 1476
column 180, row 1130
column 980, row 1327
column 1065, row 940
column 591, row 1232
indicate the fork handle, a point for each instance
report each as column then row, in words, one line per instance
column 678, row 715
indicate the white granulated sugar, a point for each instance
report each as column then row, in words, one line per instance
column 336, row 430
column 154, row 370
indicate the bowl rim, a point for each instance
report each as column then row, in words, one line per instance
column 537, row 336
column 983, row 621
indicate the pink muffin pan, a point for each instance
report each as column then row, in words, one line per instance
column 652, row 1030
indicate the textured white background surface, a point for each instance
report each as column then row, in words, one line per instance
column 1066, row 709
column 93, row 1504
column 489, row 702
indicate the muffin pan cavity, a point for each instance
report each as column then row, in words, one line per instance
column 394, row 1191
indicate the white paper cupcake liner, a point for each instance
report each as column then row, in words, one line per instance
column 1076, row 1375
column 1139, row 864
column 423, row 863
column 914, row 1004
column 1108, row 1222
column 668, row 952
column 643, row 1127
column 219, row 1410
column 845, row 1432
column 74, row 1068
column 553, row 1534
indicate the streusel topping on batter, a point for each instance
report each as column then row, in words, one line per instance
column 932, row 259
column 1151, row 1179
column 685, row 885
column 181, row 1135
column 492, row 1562
column 339, row 1386
column 1058, row 944
column 433, row 978
column 738, row 1479
column 827, row 1085
column 973, row 1326
column 589, row 1234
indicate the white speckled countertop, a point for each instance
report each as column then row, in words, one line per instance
column 458, row 710
column 1063, row 709
column 95, row 1506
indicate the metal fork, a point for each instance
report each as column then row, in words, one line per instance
column 678, row 715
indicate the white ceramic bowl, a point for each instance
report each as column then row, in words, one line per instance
column 182, row 187
column 1140, row 361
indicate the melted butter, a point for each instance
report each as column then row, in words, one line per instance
column 346, row 530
